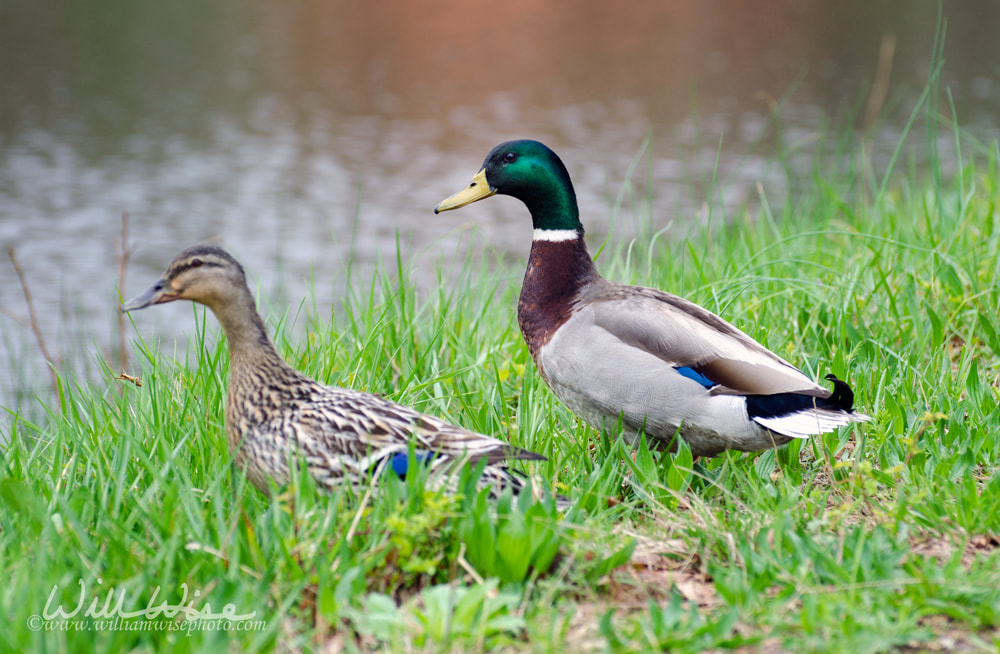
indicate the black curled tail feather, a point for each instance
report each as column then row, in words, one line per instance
column 782, row 404
column 843, row 396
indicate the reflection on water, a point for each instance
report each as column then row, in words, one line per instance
column 288, row 131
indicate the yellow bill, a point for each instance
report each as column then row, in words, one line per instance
column 477, row 189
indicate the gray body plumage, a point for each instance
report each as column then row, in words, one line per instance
column 276, row 416
column 616, row 357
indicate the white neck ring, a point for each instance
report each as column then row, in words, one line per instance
column 556, row 235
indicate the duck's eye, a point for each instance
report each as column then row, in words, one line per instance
column 510, row 157
column 195, row 263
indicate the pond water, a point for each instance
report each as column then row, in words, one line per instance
column 303, row 134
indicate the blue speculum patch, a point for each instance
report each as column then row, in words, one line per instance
column 399, row 463
column 694, row 375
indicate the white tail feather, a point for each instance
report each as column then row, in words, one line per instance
column 811, row 422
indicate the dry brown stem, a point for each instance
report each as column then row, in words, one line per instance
column 53, row 364
column 123, row 251
column 880, row 87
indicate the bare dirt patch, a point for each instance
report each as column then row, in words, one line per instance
column 944, row 548
column 949, row 637
column 657, row 569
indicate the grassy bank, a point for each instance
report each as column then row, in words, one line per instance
column 875, row 539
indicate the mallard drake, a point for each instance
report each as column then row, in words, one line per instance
column 659, row 363
column 275, row 414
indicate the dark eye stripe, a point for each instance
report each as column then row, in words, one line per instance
column 197, row 263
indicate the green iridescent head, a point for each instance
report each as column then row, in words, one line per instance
column 530, row 172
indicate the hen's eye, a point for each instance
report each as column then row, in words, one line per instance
column 510, row 157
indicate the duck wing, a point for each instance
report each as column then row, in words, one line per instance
column 687, row 336
column 341, row 424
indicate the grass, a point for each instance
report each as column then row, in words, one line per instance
column 880, row 538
